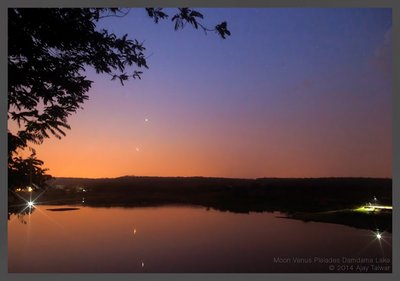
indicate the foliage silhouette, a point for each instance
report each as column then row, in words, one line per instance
column 22, row 171
column 48, row 52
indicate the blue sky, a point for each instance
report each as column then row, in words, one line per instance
column 293, row 92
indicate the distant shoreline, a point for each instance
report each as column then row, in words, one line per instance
column 240, row 195
column 218, row 177
column 299, row 198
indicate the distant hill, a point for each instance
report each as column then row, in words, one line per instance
column 70, row 181
column 246, row 194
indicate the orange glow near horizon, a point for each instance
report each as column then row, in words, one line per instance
column 215, row 150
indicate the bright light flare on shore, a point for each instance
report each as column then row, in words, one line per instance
column 373, row 208
column 30, row 204
column 378, row 235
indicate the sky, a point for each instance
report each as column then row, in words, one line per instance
column 291, row 93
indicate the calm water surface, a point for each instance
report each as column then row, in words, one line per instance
column 185, row 239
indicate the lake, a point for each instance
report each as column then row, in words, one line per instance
column 186, row 239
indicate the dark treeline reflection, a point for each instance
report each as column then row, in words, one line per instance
column 20, row 211
column 324, row 199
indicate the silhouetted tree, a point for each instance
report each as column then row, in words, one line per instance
column 48, row 52
column 22, row 171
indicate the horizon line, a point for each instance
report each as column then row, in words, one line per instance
column 221, row 177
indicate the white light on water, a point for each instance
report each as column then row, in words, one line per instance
column 30, row 204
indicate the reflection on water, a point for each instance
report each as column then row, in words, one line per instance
column 20, row 212
column 186, row 239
